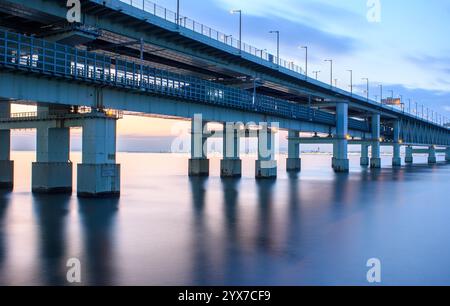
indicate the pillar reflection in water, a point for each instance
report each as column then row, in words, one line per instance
column 51, row 213
column 98, row 218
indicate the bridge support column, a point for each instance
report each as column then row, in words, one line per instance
column 409, row 159
column 432, row 155
column 293, row 162
column 364, row 155
column 99, row 175
column 199, row 162
column 52, row 171
column 6, row 164
column 375, row 161
column 340, row 161
column 231, row 164
column 396, row 159
column 447, row 154
column 266, row 165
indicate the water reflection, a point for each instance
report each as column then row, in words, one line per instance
column 51, row 213
column 4, row 204
column 98, row 218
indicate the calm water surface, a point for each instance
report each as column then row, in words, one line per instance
column 314, row 228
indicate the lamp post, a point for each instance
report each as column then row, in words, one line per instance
column 367, row 88
column 178, row 12
column 240, row 26
column 278, row 45
column 381, row 93
column 306, row 60
column 317, row 74
column 331, row 71
column 351, row 81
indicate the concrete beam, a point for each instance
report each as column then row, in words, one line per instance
column 231, row 164
column 375, row 161
column 340, row 161
column 6, row 164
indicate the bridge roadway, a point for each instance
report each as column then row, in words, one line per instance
column 221, row 88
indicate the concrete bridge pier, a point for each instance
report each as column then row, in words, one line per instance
column 52, row 171
column 99, row 174
column 396, row 159
column 6, row 164
column 199, row 162
column 340, row 161
column 266, row 165
column 364, row 161
column 409, row 159
column 447, row 154
column 375, row 161
column 231, row 164
column 432, row 159
column 293, row 162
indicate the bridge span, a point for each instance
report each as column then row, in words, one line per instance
column 127, row 58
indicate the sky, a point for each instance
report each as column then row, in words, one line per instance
column 403, row 44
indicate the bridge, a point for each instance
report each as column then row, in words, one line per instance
column 139, row 58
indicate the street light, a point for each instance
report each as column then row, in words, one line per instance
column 306, row 59
column 381, row 93
column 317, row 74
column 331, row 71
column 178, row 12
column 335, row 82
column 278, row 45
column 240, row 26
column 367, row 88
column 351, row 81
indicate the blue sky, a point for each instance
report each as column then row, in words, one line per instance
column 408, row 50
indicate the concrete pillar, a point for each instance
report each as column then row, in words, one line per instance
column 447, row 154
column 340, row 146
column 52, row 171
column 266, row 165
column 231, row 164
column 432, row 159
column 409, row 159
column 99, row 174
column 375, row 161
column 6, row 164
column 198, row 163
column 293, row 162
column 396, row 159
column 364, row 155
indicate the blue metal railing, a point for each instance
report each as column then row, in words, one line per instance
column 187, row 23
column 39, row 56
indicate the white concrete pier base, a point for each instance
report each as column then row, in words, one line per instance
column 266, row 165
column 52, row 173
column 375, row 161
column 447, row 155
column 341, row 165
column 396, row 159
column 52, row 177
column 293, row 162
column 99, row 174
column 266, row 169
column 364, row 160
column 231, row 164
column 6, row 174
column 98, row 180
column 340, row 162
column 409, row 159
column 231, row 168
column 198, row 167
column 432, row 159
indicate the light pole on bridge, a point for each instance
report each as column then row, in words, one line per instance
column 317, row 74
column 278, row 45
column 306, row 59
column 331, row 71
column 367, row 88
column 351, row 81
column 240, row 26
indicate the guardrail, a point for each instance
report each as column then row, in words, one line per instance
column 36, row 116
column 36, row 55
column 185, row 22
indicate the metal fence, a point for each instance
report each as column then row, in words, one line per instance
column 36, row 55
